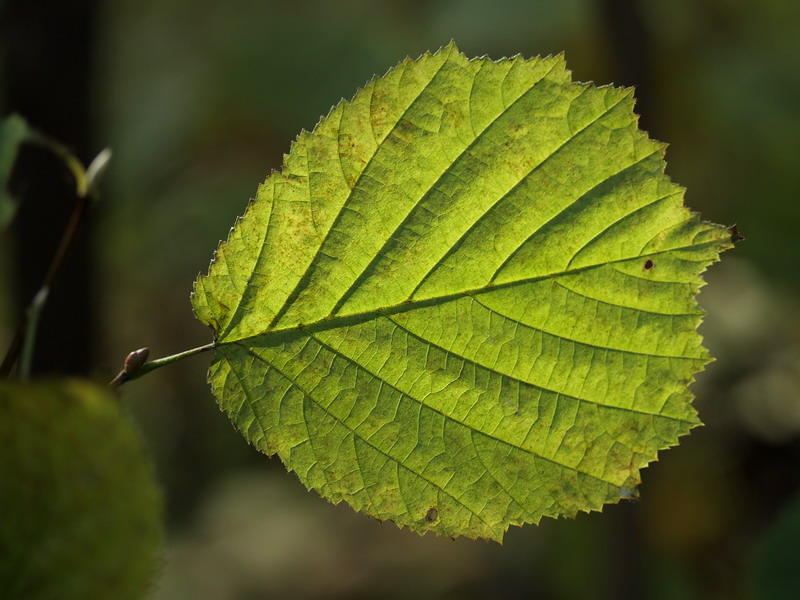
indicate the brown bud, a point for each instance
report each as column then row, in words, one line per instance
column 135, row 360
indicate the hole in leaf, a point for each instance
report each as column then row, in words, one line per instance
column 649, row 264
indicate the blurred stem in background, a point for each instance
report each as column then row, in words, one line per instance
column 45, row 75
column 86, row 189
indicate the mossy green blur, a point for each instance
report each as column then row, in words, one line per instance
column 469, row 293
column 81, row 511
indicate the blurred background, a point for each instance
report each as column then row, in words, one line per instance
column 200, row 99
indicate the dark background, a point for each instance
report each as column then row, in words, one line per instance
column 199, row 99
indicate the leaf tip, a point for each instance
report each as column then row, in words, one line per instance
column 630, row 494
column 735, row 235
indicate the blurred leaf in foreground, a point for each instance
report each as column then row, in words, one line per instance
column 81, row 512
column 13, row 131
column 466, row 301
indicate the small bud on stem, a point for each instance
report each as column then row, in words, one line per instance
column 136, row 363
column 133, row 362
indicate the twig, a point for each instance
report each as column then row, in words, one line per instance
column 135, row 365
column 32, row 315
column 86, row 193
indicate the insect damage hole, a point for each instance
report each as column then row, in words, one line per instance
column 648, row 265
column 431, row 515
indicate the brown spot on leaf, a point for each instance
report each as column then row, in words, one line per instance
column 431, row 515
column 648, row 265
column 735, row 235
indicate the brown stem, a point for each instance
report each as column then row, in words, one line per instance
column 135, row 365
column 50, row 279
column 86, row 189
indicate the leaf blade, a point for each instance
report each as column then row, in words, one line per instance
column 467, row 309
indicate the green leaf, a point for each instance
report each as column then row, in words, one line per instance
column 467, row 300
column 81, row 512
column 13, row 131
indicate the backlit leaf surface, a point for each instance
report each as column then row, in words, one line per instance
column 466, row 301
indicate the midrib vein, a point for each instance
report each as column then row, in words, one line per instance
column 408, row 305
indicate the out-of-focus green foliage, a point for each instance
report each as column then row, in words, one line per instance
column 81, row 512
column 467, row 301
column 197, row 109
column 775, row 575
column 13, row 131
